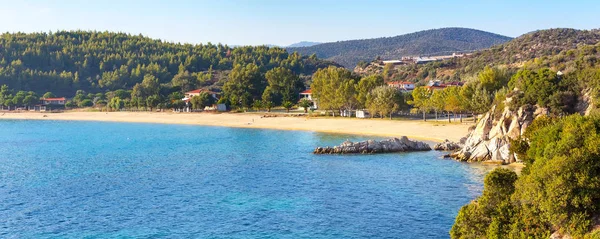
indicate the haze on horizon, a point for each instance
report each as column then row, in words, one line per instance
column 240, row 22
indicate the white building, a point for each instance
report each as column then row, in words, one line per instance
column 307, row 94
column 402, row 85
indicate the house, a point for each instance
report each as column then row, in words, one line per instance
column 307, row 94
column 402, row 85
column 54, row 101
column 438, row 85
column 197, row 92
column 362, row 114
column 49, row 103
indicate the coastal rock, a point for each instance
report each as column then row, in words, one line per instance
column 392, row 145
column 447, row 145
column 490, row 139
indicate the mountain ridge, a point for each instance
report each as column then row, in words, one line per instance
column 428, row 42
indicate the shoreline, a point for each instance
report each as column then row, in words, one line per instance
column 431, row 131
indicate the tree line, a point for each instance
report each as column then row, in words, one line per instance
column 98, row 62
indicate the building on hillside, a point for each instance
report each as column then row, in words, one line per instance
column 394, row 62
column 402, row 85
column 424, row 60
column 438, row 85
column 307, row 94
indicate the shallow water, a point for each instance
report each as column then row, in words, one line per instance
column 105, row 180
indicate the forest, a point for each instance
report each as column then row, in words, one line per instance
column 97, row 62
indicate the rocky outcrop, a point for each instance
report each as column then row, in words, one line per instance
column 392, row 145
column 490, row 140
column 447, row 145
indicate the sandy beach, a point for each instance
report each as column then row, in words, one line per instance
column 434, row 131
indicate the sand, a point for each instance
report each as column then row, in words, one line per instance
column 416, row 129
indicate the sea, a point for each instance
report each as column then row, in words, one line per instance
column 76, row 179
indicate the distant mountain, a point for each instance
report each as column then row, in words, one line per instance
column 429, row 42
column 303, row 44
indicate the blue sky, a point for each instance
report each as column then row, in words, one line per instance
column 255, row 22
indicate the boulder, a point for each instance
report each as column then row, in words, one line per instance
column 490, row 139
column 392, row 145
column 447, row 145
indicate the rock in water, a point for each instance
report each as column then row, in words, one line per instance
column 447, row 145
column 392, row 145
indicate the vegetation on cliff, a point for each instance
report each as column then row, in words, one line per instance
column 559, row 190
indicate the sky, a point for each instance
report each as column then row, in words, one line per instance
column 283, row 22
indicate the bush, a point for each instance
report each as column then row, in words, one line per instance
column 559, row 190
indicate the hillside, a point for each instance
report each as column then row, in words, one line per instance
column 66, row 61
column 560, row 49
column 303, row 44
column 429, row 42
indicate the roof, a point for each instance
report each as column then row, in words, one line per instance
column 55, row 99
column 194, row 91
column 198, row 91
column 309, row 91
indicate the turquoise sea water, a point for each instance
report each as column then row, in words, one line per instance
column 124, row 180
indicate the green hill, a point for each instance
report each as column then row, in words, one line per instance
column 66, row 61
column 429, row 42
column 560, row 49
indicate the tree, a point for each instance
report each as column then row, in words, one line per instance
column 537, row 87
column 437, row 101
column 152, row 101
column 287, row 105
column 453, row 101
column 116, row 104
column 17, row 100
column 365, row 85
column 559, row 190
column 70, row 105
column 197, row 102
column 85, row 103
column 334, row 88
column 284, row 85
column 257, row 105
column 48, row 95
column 384, row 100
column 421, row 96
column 202, row 100
column 30, row 100
column 185, row 81
column 267, row 99
column 489, row 215
column 481, row 101
column 150, row 85
column 305, row 103
column 492, row 78
column 245, row 85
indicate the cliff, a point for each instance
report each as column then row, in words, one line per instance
column 489, row 140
